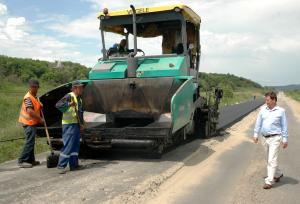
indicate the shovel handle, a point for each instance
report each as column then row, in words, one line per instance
column 78, row 120
column 47, row 132
column 76, row 111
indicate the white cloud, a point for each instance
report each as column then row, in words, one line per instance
column 285, row 44
column 88, row 26
column 13, row 28
column 45, row 48
column 117, row 4
column 218, row 44
column 85, row 27
column 16, row 41
column 46, row 19
column 12, row 22
column 3, row 9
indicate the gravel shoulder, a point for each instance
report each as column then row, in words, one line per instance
column 234, row 172
column 210, row 181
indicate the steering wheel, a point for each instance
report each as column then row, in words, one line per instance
column 138, row 50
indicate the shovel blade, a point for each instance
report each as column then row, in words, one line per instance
column 52, row 160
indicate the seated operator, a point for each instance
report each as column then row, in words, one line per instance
column 122, row 46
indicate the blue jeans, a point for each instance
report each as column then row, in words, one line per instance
column 70, row 150
column 27, row 154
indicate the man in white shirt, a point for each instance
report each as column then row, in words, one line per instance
column 271, row 123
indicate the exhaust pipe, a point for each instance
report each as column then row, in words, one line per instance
column 132, row 62
column 104, row 52
column 134, row 31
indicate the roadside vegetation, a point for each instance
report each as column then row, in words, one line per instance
column 15, row 72
column 295, row 94
column 235, row 89
column 11, row 94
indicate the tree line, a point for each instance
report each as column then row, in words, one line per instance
column 228, row 82
column 20, row 70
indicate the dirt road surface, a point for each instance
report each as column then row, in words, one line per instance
column 235, row 172
column 224, row 169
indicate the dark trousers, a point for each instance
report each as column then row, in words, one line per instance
column 27, row 154
column 70, row 150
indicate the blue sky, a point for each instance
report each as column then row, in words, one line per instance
column 257, row 39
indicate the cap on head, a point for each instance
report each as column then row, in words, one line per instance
column 77, row 83
column 33, row 83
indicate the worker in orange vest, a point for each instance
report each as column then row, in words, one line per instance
column 29, row 118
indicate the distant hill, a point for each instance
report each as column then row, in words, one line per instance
column 235, row 89
column 19, row 70
column 287, row 87
column 226, row 81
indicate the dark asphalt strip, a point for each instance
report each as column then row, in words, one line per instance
column 233, row 113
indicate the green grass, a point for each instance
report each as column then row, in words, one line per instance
column 11, row 95
column 242, row 95
column 11, row 150
column 239, row 96
column 295, row 94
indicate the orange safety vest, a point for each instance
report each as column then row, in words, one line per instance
column 24, row 117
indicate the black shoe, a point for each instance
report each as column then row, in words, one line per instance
column 35, row 163
column 277, row 179
column 76, row 168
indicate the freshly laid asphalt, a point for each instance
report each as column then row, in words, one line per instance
column 233, row 113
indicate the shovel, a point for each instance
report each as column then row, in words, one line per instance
column 78, row 120
column 52, row 159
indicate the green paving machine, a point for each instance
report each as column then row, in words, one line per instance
column 137, row 101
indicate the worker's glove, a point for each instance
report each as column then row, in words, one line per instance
column 72, row 103
column 81, row 128
column 41, row 121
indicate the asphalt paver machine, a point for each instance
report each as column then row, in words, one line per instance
column 135, row 100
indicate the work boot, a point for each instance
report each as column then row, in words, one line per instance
column 76, row 168
column 24, row 165
column 35, row 163
column 62, row 170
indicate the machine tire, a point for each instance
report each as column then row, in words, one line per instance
column 204, row 125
